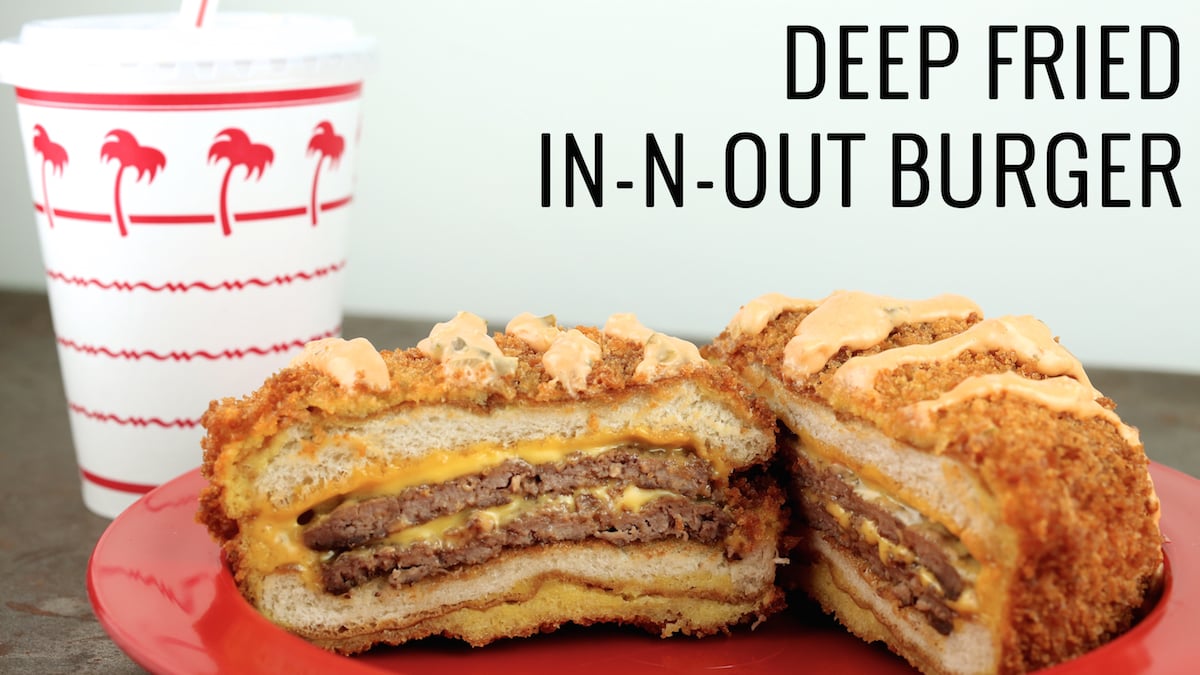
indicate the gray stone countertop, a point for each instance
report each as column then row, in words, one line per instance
column 46, row 534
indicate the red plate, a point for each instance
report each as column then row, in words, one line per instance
column 158, row 587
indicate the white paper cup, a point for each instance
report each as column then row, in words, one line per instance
column 192, row 190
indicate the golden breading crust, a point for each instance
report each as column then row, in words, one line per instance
column 415, row 378
column 345, row 430
column 302, row 395
column 1074, row 491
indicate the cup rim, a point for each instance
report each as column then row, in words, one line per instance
column 156, row 52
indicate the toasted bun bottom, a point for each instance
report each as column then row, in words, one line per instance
column 844, row 587
column 666, row 587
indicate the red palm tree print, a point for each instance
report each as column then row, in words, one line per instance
column 234, row 146
column 128, row 152
column 325, row 143
column 53, row 154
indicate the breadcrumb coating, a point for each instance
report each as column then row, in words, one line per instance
column 306, row 395
column 1076, row 494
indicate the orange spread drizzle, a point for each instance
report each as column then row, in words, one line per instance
column 569, row 360
column 860, row 320
column 346, row 361
column 537, row 332
column 665, row 356
column 754, row 316
column 1062, row 393
column 466, row 351
column 1029, row 338
column 662, row 354
column 627, row 326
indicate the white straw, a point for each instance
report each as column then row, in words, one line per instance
column 197, row 12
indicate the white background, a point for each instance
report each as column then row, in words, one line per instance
column 448, row 214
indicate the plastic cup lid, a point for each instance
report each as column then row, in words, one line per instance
column 161, row 52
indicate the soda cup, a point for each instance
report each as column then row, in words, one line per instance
column 192, row 190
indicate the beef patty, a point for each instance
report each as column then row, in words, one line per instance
column 570, row 500
column 479, row 540
column 818, row 487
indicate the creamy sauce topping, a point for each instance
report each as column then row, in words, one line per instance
column 1029, row 338
column 860, row 320
column 627, row 326
column 634, row 498
column 754, row 316
column 1063, row 394
column 466, row 352
column 446, row 529
column 539, row 332
column 569, row 360
column 665, row 356
column 868, row 493
column 346, row 361
column 662, row 356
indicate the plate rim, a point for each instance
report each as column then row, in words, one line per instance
column 1160, row 626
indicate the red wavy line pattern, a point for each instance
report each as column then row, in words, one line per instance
column 185, row 286
column 113, row 484
column 237, row 353
column 133, row 421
